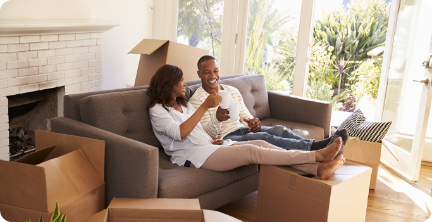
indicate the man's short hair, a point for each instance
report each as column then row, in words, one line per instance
column 205, row 58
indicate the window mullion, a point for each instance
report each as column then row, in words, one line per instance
column 304, row 42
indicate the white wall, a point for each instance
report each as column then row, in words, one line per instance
column 118, row 68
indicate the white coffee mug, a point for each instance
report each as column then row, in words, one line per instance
column 226, row 98
column 234, row 110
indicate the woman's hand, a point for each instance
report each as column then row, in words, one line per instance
column 213, row 100
column 217, row 140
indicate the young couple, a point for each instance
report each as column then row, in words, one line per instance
column 200, row 134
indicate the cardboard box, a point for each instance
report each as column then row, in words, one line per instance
column 285, row 194
column 156, row 53
column 364, row 153
column 67, row 169
column 158, row 209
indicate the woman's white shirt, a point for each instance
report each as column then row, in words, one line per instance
column 196, row 147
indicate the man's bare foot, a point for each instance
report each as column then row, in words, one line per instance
column 329, row 152
column 327, row 169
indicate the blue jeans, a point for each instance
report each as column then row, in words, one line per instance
column 277, row 135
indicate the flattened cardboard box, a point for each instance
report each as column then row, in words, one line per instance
column 67, row 169
column 284, row 194
column 158, row 209
column 364, row 153
column 156, row 53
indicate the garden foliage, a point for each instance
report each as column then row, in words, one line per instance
column 351, row 34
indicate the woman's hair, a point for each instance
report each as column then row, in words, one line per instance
column 161, row 86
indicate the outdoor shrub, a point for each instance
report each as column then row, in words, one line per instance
column 352, row 33
column 319, row 89
column 367, row 78
column 320, row 64
column 345, row 102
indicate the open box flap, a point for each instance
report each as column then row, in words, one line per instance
column 36, row 157
column 147, row 46
column 69, row 177
column 25, row 186
column 186, row 58
column 93, row 149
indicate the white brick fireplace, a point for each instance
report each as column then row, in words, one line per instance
column 38, row 55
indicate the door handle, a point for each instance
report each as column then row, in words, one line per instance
column 425, row 81
column 428, row 63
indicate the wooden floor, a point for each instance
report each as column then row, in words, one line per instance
column 393, row 200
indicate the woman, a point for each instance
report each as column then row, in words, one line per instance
column 176, row 124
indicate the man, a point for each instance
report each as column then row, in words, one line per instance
column 216, row 121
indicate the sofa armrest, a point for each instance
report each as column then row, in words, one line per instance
column 131, row 167
column 300, row 110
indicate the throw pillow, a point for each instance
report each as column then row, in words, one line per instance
column 357, row 126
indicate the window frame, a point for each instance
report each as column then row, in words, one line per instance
column 234, row 37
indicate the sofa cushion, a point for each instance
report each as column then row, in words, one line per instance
column 71, row 101
column 254, row 92
column 304, row 130
column 183, row 182
column 123, row 113
column 190, row 90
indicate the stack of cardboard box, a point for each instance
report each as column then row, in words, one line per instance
column 65, row 169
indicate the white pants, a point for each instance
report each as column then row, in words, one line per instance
column 259, row 152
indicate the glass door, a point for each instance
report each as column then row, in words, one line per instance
column 405, row 96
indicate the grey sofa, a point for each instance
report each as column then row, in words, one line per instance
column 137, row 167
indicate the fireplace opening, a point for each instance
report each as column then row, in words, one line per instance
column 29, row 112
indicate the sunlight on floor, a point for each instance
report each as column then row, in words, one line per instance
column 390, row 179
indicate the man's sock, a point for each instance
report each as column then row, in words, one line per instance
column 344, row 134
column 320, row 144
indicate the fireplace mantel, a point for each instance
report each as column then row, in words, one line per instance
column 41, row 27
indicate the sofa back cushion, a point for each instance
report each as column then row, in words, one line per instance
column 71, row 101
column 252, row 89
column 124, row 113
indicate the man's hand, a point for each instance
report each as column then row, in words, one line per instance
column 217, row 140
column 222, row 114
column 212, row 100
column 254, row 124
